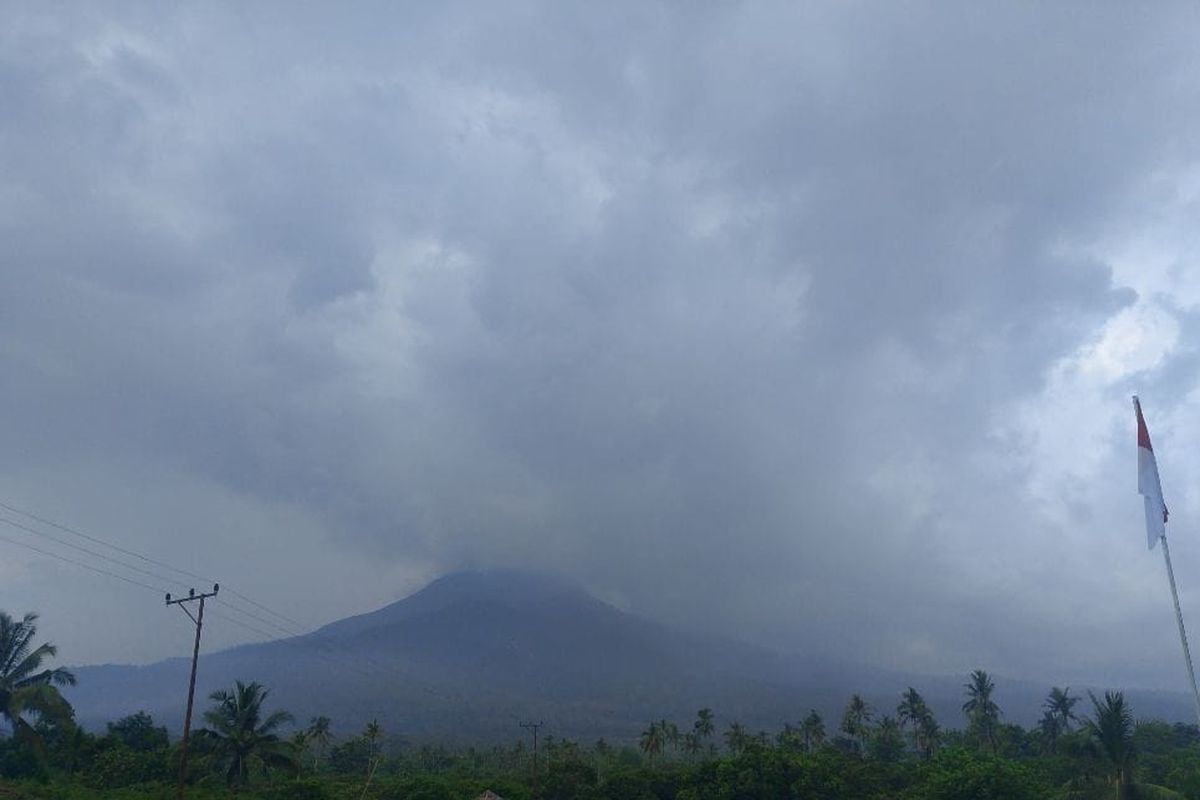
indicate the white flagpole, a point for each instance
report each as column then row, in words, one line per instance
column 1187, row 653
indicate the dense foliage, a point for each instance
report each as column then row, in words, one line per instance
column 1104, row 756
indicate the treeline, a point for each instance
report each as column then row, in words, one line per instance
column 1082, row 748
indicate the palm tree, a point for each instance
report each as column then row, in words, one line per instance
column 691, row 744
column 670, row 733
column 239, row 739
column 813, row 731
column 928, row 734
column 652, row 741
column 855, row 720
column 913, row 712
column 1112, row 734
column 1060, row 704
column 704, row 727
column 319, row 734
column 373, row 733
column 983, row 715
column 736, row 738
column 299, row 743
column 790, row 738
column 1057, row 715
column 24, row 686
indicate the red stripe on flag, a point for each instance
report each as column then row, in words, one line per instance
column 1143, row 433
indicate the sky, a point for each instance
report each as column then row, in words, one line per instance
column 811, row 324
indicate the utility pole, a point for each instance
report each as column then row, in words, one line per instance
column 533, row 726
column 198, row 621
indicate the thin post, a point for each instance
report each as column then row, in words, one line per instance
column 533, row 726
column 187, row 717
column 198, row 621
column 1187, row 653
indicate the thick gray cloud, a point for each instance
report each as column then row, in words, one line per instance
column 814, row 325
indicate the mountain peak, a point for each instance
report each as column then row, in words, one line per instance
column 503, row 585
column 512, row 589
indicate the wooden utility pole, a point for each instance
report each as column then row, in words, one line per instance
column 533, row 726
column 198, row 620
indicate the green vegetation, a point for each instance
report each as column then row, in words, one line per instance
column 26, row 688
column 243, row 752
column 239, row 742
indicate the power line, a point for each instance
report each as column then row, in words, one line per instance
column 89, row 551
column 363, row 666
column 97, row 540
column 156, row 589
column 294, row 629
column 245, row 625
column 254, row 616
column 325, row 650
column 264, row 608
column 126, row 551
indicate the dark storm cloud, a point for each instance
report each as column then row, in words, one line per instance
column 757, row 317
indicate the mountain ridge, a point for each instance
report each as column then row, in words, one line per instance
column 470, row 654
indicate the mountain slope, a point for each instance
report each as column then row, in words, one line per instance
column 472, row 654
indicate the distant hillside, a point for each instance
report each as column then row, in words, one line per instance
column 472, row 654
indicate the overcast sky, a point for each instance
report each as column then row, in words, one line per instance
column 811, row 324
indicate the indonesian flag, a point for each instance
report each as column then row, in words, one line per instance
column 1148, row 484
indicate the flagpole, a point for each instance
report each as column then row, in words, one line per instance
column 1187, row 653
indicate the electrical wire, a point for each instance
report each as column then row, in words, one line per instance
column 126, row 551
column 19, row 543
column 97, row 540
column 89, row 551
column 294, row 630
column 325, row 651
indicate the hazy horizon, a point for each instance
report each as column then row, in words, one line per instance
column 1029, row 709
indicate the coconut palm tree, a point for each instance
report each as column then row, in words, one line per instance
column 704, row 727
column 321, row 736
column 670, row 733
column 929, row 733
column 25, row 687
column 692, row 744
column 299, row 742
column 652, row 741
column 855, row 721
column 812, row 729
column 983, row 715
column 1059, row 703
column 790, row 739
column 913, row 713
column 1111, row 730
column 373, row 733
column 736, row 738
column 240, row 740
column 1057, row 716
